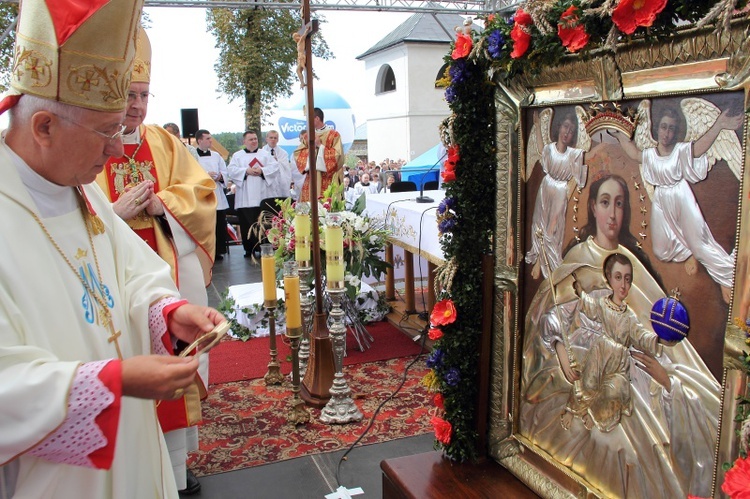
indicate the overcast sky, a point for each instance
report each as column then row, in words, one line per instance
column 184, row 55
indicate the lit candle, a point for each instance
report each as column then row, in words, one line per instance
column 334, row 251
column 302, row 232
column 268, row 273
column 292, row 296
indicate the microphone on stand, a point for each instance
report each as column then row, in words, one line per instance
column 422, row 198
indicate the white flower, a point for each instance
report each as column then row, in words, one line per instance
column 361, row 224
column 374, row 239
column 354, row 281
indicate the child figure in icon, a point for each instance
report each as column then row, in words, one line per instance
column 680, row 232
column 561, row 154
column 601, row 392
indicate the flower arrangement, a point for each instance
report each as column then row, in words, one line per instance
column 364, row 238
column 540, row 34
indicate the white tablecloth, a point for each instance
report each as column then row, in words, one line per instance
column 414, row 224
column 250, row 296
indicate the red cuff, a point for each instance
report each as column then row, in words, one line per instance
column 166, row 339
column 108, row 420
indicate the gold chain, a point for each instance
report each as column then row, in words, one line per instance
column 96, row 296
column 108, row 323
column 132, row 158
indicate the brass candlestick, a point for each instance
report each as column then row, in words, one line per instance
column 298, row 413
column 340, row 408
column 273, row 376
column 305, row 271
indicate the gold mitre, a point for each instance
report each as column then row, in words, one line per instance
column 142, row 62
column 78, row 53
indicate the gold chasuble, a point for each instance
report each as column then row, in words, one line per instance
column 187, row 193
column 333, row 157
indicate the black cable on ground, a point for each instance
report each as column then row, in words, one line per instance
column 377, row 410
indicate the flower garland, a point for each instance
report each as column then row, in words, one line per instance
column 541, row 34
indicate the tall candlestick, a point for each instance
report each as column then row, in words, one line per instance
column 302, row 232
column 292, row 296
column 268, row 273
column 334, row 251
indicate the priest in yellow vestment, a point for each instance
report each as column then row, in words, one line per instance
column 167, row 198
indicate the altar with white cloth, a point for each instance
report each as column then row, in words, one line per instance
column 248, row 309
column 415, row 232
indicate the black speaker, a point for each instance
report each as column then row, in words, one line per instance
column 189, row 123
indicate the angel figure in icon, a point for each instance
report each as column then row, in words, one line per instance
column 560, row 146
column 668, row 164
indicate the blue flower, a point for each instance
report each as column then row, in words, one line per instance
column 450, row 202
column 452, row 377
column 458, row 71
column 450, row 94
column 447, row 225
column 435, row 360
column 495, row 44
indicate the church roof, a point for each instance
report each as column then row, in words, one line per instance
column 421, row 27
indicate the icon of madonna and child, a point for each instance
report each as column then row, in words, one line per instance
column 612, row 390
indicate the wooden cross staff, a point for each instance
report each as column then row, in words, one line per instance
column 315, row 387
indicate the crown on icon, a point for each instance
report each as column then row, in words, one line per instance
column 610, row 115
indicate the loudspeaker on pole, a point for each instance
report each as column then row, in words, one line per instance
column 189, row 123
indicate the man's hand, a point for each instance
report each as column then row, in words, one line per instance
column 189, row 321
column 134, row 200
column 157, row 377
column 155, row 207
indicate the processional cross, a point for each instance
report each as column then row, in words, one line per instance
column 320, row 370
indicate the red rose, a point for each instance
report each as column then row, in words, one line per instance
column 572, row 34
column 439, row 401
column 443, row 313
column 521, row 34
column 453, row 156
column 736, row 480
column 434, row 334
column 448, row 176
column 630, row 14
column 523, row 18
column 443, row 429
column 463, row 46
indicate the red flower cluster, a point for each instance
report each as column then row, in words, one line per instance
column 463, row 46
column 521, row 34
column 737, row 480
column 443, row 313
column 443, row 429
column 439, row 401
column 572, row 34
column 435, row 334
column 630, row 14
column 449, row 167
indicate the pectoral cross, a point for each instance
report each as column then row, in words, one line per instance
column 113, row 335
column 113, row 339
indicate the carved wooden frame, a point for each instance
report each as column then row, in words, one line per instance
column 694, row 60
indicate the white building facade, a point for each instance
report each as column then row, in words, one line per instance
column 402, row 70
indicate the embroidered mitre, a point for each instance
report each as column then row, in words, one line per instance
column 78, row 53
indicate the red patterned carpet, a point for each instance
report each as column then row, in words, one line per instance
column 245, row 422
column 235, row 360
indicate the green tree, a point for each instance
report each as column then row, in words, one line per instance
column 8, row 13
column 232, row 141
column 258, row 57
